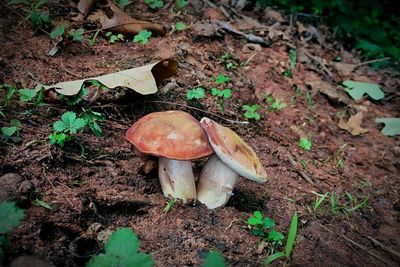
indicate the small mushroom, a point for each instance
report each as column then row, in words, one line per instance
column 233, row 157
column 175, row 137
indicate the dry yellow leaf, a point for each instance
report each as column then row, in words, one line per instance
column 353, row 125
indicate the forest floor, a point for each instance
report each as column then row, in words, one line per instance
column 107, row 184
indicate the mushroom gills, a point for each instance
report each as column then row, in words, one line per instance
column 177, row 179
column 216, row 183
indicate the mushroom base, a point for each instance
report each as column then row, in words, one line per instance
column 177, row 179
column 216, row 183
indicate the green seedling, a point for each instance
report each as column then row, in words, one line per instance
column 123, row 2
column 26, row 95
column 226, row 57
column 11, row 217
column 179, row 4
column 263, row 226
column 58, row 31
column 75, row 99
column 169, row 205
column 310, row 101
column 180, row 26
column 41, row 203
column 11, row 90
column 220, row 96
column 305, row 144
column 214, row 259
column 319, row 200
column 197, row 93
column 92, row 119
column 112, row 38
column 154, row 4
column 142, row 37
column 34, row 12
column 221, row 79
column 98, row 84
column 274, row 103
column 304, row 163
column 251, row 112
column 65, row 128
column 93, row 40
column 292, row 58
column 14, row 128
column 76, row 35
column 121, row 250
column 289, row 243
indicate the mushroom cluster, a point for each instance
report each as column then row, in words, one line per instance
column 176, row 138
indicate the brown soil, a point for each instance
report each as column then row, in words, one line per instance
column 109, row 187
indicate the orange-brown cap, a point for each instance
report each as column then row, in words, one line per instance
column 171, row 134
column 233, row 151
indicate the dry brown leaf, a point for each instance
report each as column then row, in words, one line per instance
column 273, row 15
column 120, row 22
column 353, row 125
column 84, row 6
column 143, row 80
column 344, row 69
column 330, row 91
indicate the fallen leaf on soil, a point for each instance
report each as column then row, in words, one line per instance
column 330, row 91
column 344, row 69
column 357, row 90
column 273, row 15
column 204, row 29
column 248, row 36
column 353, row 125
column 143, row 80
column 120, row 22
column 392, row 126
column 84, row 6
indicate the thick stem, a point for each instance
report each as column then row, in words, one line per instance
column 177, row 179
column 216, row 183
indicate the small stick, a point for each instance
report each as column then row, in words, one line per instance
column 372, row 61
column 356, row 244
column 395, row 253
column 230, row 225
column 198, row 109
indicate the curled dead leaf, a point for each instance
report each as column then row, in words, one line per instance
column 344, row 69
column 84, row 6
column 353, row 125
column 143, row 80
column 118, row 21
column 329, row 90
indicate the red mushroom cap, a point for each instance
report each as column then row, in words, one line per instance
column 170, row 134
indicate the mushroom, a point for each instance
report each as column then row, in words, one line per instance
column 175, row 137
column 233, row 157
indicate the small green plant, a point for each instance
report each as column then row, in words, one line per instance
column 11, row 90
column 274, row 103
column 112, row 38
column 154, row 4
column 65, row 128
column 169, row 205
column 196, row 93
column 180, row 26
column 93, row 40
column 251, row 112
column 77, row 35
column 121, row 250
column 304, row 163
column 11, row 217
column 263, row 226
column 310, row 102
column 26, row 95
column 229, row 61
column 58, row 31
column 41, row 203
column 142, row 37
column 289, row 243
column 34, row 11
column 214, row 259
column 92, row 119
column 75, row 99
column 14, row 128
column 292, row 59
column 305, row 143
column 179, row 4
column 221, row 79
column 220, row 96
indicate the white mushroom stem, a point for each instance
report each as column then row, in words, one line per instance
column 177, row 179
column 216, row 183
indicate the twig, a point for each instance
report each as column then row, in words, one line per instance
column 372, row 61
column 301, row 173
column 230, row 224
column 356, row 244
column 64, row 69
column 198, row 109
column 52, row 185
column 376, row 242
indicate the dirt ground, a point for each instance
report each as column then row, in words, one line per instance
column 108, row 185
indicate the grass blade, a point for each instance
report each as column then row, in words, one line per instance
column 273, row 257
column 291, row 236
